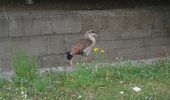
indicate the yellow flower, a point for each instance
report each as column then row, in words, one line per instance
column 102, row 51
column 96, row 49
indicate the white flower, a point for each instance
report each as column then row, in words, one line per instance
column 136, row 89
column 24, row 95
column 79, row 97
column 22, row 92
column 121, row 92
column 60, row 68
column 112, row 64
column 121, row 82
column 117, row 58
column 121, row 58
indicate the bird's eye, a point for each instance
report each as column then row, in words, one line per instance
column 92, row 31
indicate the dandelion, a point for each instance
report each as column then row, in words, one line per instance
column 121, row 92
column 136, row 89
column 96, row 49
column 101, row 51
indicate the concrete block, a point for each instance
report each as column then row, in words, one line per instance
column 139, row 21
column 134, row 53
column 138, row 26
column 162, row 41
column 55, row 44
column 122, row 43
column 135, row 43
column 110, row 35
column 4, row 27
column 113, row 22
column 21, row 26
column 41, row 25
column 160, row 33
column 160, row 51
column 51, row 60
column 105, row 45
column 5, row 54
column 137, row 34
column 5, row 64
column 91, row 22
column 71, row 40
column 69, row 23
column 167, row 20
column 32, row 45
column 161, row 25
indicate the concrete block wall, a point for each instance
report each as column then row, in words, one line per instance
column 131, row 34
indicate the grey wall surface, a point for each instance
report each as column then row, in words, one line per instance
column 131, row 34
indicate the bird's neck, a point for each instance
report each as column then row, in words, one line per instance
column 92, row 39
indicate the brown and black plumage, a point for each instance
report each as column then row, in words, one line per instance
column 83, row 46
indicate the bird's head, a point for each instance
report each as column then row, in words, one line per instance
column 90, row 33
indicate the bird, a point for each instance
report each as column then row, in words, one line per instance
column 83, row 47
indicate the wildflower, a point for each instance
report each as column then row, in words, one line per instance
column 22, row 88
column 121, row 82
column 107, row 78
column 22, row 92
column 112, row 64
column 136, row 89
column 96, row 49
column 79, row 97
column 24, row 96
column 101, row 51
column 60, row 68
column 84, row 64
column 121, row 92
column 121, row 58
column 117, row 58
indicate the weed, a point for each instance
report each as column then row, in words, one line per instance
column 91, row 81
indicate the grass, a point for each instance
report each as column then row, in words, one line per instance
column 88, row 82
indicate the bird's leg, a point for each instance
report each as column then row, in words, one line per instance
column 86, row 60
column 71, row 61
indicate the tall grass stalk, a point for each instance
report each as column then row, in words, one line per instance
column 25, row 67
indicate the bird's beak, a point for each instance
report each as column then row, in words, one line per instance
column 94, row 34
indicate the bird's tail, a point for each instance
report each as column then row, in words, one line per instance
column 69, row 56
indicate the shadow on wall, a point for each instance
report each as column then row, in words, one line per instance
column 81, row 4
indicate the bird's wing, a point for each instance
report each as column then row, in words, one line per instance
column 80, row 46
